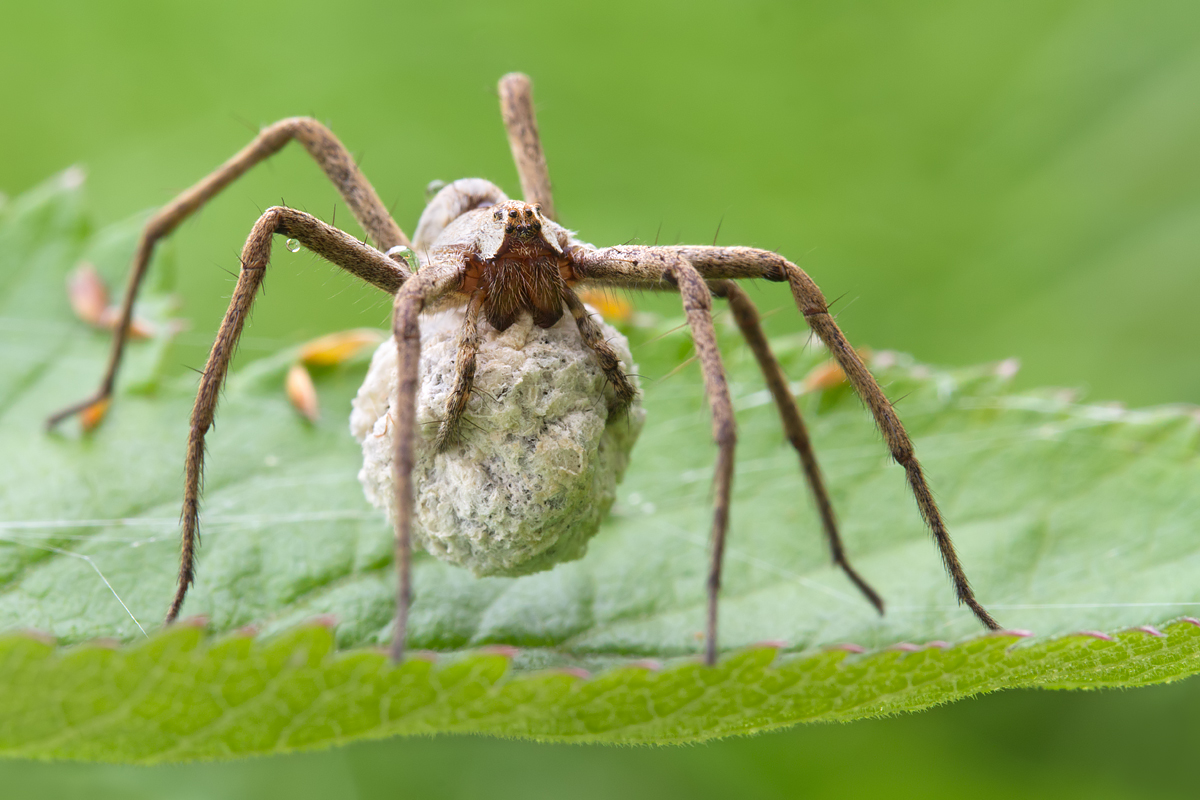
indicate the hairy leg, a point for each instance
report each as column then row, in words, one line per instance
column 516, row 106
column 746, row 316
column 593, row 336
column 433, row 281
column 645, row 267
column 674, row 271
column 697, row 305
column 325, row 149
column 464, row 376
column 338, row 247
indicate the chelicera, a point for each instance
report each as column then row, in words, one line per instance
column 500, row 259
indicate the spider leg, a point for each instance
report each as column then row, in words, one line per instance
column 516, row 106
column 746, row 316
column 325, row 149
column 432, row 282
column 643, row 267
column 338, row 247
column 678, row 273
column 593, row 336
column 697, row 306
column 464, row 375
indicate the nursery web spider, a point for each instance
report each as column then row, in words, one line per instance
column 500, row 259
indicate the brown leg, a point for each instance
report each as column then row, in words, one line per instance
column 516, row 106
column 328, row 152
column 645, row 267
column 338, row 247
column 464, row 375
column 593, row 336
column 697, row 305
column 746, row 316
column 432, row 282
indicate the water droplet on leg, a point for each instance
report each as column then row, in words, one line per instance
column 293, row 245
column 409, row 257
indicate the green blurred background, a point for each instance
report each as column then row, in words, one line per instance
column 972, row 180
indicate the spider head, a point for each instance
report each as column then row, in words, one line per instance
column 520, row 229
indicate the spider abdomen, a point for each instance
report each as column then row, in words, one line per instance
column 514, row 285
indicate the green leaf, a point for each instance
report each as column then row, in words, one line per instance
column 1069, row 518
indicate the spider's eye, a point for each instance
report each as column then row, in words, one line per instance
column 513, row 214
column 508, row 228
column 537, row 226
column 528, row 214
column 498, row 215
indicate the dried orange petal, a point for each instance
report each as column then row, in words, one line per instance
column 612, row 307
column 93, row 415
column 336, row 348
column 829, row 374
column 87, row 293
column 301, row 392
column 825, row 376
column 138, row 328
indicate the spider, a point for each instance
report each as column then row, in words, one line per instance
column 500, row 259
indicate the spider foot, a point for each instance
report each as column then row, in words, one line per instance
column 448, row 435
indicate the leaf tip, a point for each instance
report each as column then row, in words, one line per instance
column 1149, row 630
column 1101, row 635
column 646, row 663
column 775, row 644
column 104, row 643
column 574, row 672
column 38, row 636
column 504, row 650
column 848, row 647
column 1019, row 633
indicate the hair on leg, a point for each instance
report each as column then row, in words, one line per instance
column 593, row 336
column 332, row 244
column 432, row 282
column 464, row 376
column 330, row 155
column 746, row 316
column 516, row 106
column 697, row 306
column 646, row 267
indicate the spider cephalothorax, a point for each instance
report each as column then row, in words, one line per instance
column 499, row 259
column 511, row 260
column 512, row 255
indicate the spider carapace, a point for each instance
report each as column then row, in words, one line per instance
column 499, row 259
